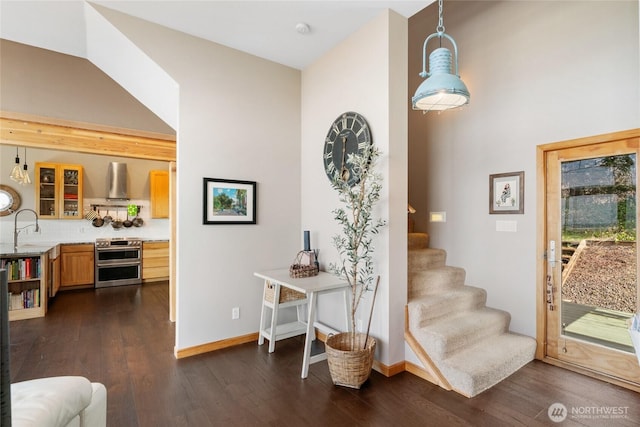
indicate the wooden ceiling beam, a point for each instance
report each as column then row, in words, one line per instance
column 68, row 136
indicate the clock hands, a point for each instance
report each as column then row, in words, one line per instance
column 344, row 172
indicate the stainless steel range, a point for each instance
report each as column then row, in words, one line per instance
column 118, row 261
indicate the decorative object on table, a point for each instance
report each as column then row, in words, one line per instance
column 442, row 89
column 307, row 241
column 348, row 135
column 506, row 193
column 227, row 201
column 300, row 268
column 355, row 248
column 9, row 200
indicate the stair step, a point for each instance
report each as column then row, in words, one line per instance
column 434, row 280
column 449, row 334
column 429, row 309
column 418, row 241
column 424, row 259
column 488, row 362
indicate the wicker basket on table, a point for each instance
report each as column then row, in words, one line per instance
column 286, row 294
column 298, row 270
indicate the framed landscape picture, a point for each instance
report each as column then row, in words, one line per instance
column 506, row 193
column 228, row 201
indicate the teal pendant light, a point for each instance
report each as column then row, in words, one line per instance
column 442, row 89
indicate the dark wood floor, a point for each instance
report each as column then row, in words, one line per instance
column 122, row 338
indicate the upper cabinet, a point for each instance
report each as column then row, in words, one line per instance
column 58, row 191
column 159, row 193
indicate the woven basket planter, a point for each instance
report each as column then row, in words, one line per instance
column 349, row 367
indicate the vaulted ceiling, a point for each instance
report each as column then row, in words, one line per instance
column 266, row 29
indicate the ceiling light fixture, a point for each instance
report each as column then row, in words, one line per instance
column 16, row 172
column 26, row 179
column 442, row 89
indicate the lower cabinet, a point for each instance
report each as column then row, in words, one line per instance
column 27, row 278
column 77, row 266
column 155, row 261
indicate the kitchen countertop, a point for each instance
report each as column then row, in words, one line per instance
column 38, row 248
column 27, row 249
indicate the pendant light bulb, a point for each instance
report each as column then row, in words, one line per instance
column 16, row 172
column 26, row 179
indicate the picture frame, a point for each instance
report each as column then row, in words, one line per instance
column 228, row 201
column 506, row 193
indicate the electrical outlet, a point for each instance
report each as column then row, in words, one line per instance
column 235, row 313
column 359, row 325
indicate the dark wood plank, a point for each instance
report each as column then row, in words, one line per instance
column 122, row 338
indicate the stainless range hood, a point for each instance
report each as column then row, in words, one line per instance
column 117, row 178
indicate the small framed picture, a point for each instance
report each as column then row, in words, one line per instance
column 506, row 193
column 228, row 201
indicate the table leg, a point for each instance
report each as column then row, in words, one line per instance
column 274, row 316
column 263, row 316
column 311, row 308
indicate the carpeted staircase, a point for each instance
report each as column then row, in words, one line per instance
column 463, row 345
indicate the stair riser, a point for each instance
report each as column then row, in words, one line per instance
column 432, row 309
column 432, row 281
column 441, row 346
column 418, row 241
column 488, row 363
column 425, row 259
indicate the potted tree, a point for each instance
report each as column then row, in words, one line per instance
column 350, row 354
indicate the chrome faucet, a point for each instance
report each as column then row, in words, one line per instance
column 17, row 230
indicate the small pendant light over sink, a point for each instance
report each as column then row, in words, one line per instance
column 26, row 179
column 16, row 172
column 442, row 89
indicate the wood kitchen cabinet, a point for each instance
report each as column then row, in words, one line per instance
column 155, row 261
column 159, row 193
column 58, row 190
column 77, row 266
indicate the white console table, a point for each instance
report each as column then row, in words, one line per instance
column 312, row 287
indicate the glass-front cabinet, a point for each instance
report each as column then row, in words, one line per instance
column 59, row 190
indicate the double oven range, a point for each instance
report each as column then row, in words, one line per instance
column 118, row 261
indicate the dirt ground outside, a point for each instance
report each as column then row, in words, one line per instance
column 604, row 275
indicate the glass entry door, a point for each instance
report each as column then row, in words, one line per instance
column 592, row 257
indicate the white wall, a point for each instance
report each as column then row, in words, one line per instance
column 45, row 83
column 367, row 74
column 538, row 72
column 238, row 118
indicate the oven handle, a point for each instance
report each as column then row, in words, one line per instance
column 118, row 264
column 118, row 248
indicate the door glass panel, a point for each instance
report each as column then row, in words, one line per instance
column 70, row 195
column 599, row 274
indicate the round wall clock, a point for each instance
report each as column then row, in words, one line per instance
column 348, row 134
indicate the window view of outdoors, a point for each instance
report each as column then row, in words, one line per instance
column 599, row 253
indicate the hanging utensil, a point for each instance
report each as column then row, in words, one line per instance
column 117, row 222
column 98, row 221
column 127, row 222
